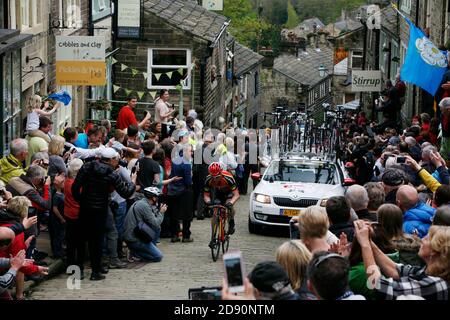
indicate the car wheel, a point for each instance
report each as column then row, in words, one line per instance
column 253, row 228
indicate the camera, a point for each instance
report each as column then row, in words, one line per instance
column 205, row 293
column 401, row 159
column 123, row 163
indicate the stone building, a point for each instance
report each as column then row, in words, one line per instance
column 180, row 40
column 247, row 91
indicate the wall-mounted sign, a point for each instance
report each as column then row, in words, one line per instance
column 213, row 5
column 128, row 18
column 100, row 9
column 366, row 81
column 80, row 60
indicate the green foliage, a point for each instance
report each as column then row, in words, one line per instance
column 245, row 26
column 326, row 10
column 293, row 19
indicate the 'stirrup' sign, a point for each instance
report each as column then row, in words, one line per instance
column 366, row 81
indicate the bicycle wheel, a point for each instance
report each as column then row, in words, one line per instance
column 226, row 237
column 215, row 248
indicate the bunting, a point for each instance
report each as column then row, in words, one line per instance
column 114, row 61
column 140, row 94
column 115, row 88
column 153, row 94
column 145, row 74
column 169, row 74
column 157, row 76
column 128, row 91
column 134, row 72
column 123, row 67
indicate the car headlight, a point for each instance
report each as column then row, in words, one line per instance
column 323, row 202
column 262, row 198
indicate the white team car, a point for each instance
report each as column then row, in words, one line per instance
column 290, row 185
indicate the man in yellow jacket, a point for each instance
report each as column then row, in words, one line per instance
column 12, row 165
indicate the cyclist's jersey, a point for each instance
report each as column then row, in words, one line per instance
column 222, row 187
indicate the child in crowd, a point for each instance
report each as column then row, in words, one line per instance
column 35, row 111
column 57, row 220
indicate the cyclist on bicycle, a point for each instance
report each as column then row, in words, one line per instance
column 222, row 186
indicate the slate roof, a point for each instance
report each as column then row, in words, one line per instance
column 305, row 69
column 311, row 22
column 245, row 59
column 389, row 20
column 188, row 16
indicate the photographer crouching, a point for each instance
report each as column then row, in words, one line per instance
column 143, row 226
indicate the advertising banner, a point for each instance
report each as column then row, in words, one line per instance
column 366, row 81
column 128, row 18
column 80, row 60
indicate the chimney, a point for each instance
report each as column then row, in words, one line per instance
column 302, row 44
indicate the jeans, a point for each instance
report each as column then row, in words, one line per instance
column 119, row 218
column 121, row 213
column 111, row 236
column 57, row 231
column 145, row 251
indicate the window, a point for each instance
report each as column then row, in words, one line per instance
column 357, row 59
column 243, row 88
column 406, row 6
column 25, row 14
column 2, row 16
column 256, row 83
column 70, row 13
column 163, row 61
column 25, row 8
column 11, row 93
column 395, row 60
column 104, row 92
column 100, row 9
column 382, row 51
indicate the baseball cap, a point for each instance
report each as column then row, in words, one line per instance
column 269, row 277
column 108, row 153
column 445, row 103
column 393, row 177
column 182, row 133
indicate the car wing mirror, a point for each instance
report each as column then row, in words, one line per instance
column 256, row 176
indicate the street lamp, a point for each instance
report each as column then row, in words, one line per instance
column 323, row 71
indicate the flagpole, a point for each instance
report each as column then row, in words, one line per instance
column 394, row 6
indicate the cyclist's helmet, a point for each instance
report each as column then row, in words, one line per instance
column 215, row 169
column 152, row 192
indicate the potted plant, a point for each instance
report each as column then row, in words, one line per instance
column 100, row 109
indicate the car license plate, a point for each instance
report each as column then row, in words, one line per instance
column 289, row 212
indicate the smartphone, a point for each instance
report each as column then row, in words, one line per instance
column 234, row 271
column 401, row 159
column 294, row 230
column 204, row 293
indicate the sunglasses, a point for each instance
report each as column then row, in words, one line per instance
column 5, row 242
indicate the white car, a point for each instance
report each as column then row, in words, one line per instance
column 290, row 185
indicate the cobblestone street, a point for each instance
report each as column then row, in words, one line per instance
column 184, row 266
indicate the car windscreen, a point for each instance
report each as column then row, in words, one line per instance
column 291, row 171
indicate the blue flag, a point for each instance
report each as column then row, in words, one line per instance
column 61, row 96
column 425, row 64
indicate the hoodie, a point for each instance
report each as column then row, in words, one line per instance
column 417, row 220
column 10, row 167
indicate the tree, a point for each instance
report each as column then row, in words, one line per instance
column 245, row 25
column 293, row 19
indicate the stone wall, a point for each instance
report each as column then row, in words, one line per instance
column 157, row 33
